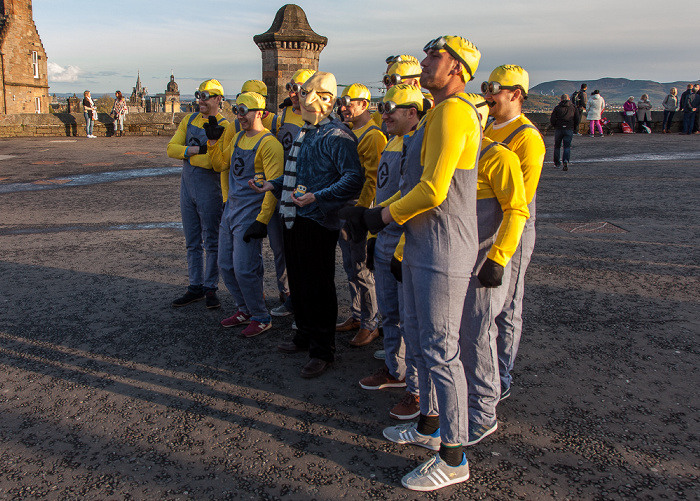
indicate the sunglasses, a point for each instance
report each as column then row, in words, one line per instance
column 346, row 100
column 395, row 79
column 390, row 107
column 394, row 59
column 440, row 43
column 242, row 109
column 293, row 87
column 495, row 87
column 204, row 95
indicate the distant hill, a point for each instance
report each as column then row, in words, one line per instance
column 614, row 90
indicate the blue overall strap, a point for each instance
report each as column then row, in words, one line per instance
column 519, row 129
column 373, row 127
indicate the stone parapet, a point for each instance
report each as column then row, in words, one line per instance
column 160, row 124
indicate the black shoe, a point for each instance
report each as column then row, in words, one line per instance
column 566, row 166
column 212, row 300
column 290, row 347
column 188, row 298
column 314, row 368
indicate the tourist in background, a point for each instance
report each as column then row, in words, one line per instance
column 119, row 111
column 565, row 119
column 644, row 113
column 90, row 113
column 596, row 105
column 580, row 99
column 629, row 109
column 686, row 106
column 696, row 103
column 670, row 105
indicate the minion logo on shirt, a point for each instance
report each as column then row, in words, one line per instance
column 287, row 140
column 382, row 175
column 237, row 167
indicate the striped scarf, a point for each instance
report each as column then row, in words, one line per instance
column 288, row 210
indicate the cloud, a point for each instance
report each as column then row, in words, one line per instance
column 58, row 73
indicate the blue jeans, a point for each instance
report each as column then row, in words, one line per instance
column 668, row 118
column 688, row 120
column 565, row 135
column 89, row 122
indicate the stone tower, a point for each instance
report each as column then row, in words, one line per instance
column 24, row 81
column 172, row 95
column 289, row 44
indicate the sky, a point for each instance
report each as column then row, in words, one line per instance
column 100, row 45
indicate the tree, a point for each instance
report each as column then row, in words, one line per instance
column 105, row 104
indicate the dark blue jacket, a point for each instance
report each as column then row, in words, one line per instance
column 329, row 166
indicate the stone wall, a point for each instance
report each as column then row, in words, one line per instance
column 19, row 38
column 165, row 124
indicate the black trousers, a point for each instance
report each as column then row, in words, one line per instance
column 309, row 250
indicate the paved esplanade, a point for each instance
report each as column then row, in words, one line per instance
column 107, row 392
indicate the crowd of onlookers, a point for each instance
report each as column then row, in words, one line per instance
column 636, row 115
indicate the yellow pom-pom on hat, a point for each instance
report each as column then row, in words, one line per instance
column 479, row 102
column 252, row 100
column 357, row 91
column 511, row 75
column 404, row 94
column 462, row 50
column 302, row 75
column 212, row 86
column 255, row 86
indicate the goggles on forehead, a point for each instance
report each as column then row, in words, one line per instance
column 346, row 100
column 495, row 87
column 395, row 78
column 293, row 87
column 204, row 95
column 394, row 59
column 390, row 107
column 242, row 109
column 440, row 43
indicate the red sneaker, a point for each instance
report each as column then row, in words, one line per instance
column 255, row 328
column 238, row 318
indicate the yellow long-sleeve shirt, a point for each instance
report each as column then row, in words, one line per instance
column 177, row 146
column 369, row 150
column 450, row 142
column 529, row 147
column 500, row 177
column 269, row 159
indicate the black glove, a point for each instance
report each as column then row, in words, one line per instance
column 373, row 220
column 395, row 267
column 213, row 130
column 255, row 230
column 203, row 149
column 370, row 253
column 491, row 274
column 287, row 102
column 354, row 222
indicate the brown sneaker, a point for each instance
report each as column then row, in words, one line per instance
column 381, row 379
column 364, row 337
column 349, row 325
column 407, row 408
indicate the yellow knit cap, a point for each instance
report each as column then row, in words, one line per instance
column 511, row 75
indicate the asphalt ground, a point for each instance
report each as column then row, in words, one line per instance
column 107, row 392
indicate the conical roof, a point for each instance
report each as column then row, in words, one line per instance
column 290, row 25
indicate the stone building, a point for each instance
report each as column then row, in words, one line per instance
column 24, row 84
column 137, row 100
column 171, row 99
column 289, row 44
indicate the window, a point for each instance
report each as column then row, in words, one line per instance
column 37, row 104
column 35, row 63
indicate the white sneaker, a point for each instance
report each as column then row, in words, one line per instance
column 435, row 474
column 408, row 434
